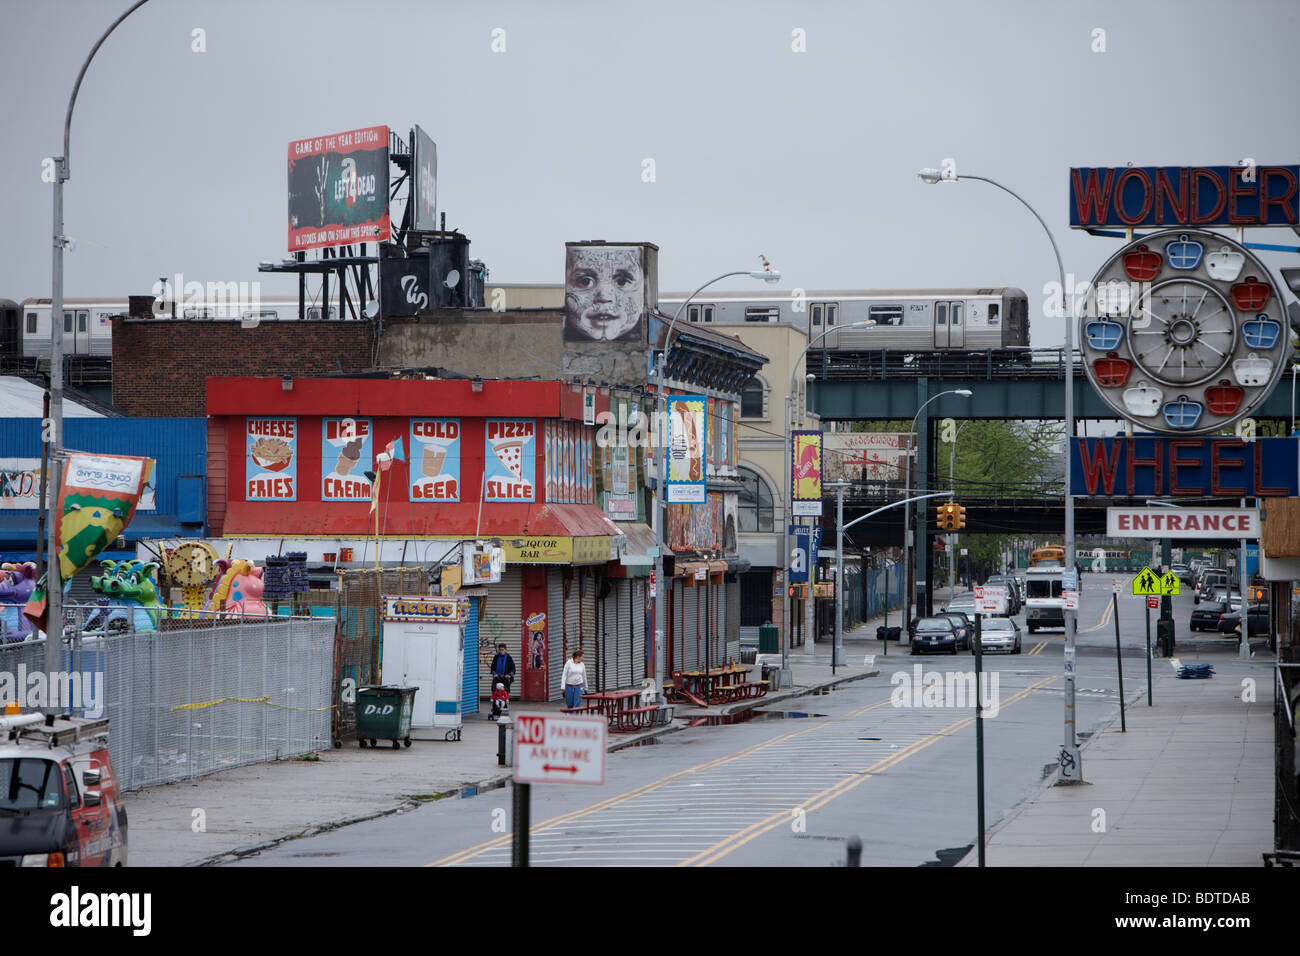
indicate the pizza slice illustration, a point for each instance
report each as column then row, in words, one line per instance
column 511, row 453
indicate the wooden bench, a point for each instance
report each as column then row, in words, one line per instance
column 583, row 709
column 755, row 688
column 633, row 718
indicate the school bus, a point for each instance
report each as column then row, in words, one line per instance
column 1052, row 556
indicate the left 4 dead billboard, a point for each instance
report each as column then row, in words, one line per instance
column 338, row 189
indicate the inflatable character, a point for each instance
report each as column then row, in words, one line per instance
column 17, row 581
column 238, row 589
column 130, row 601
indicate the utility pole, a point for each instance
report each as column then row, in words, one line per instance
column 837, row 654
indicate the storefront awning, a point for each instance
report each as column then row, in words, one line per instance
column 688, row 569
column 641, row 548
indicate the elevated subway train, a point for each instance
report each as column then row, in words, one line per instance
column 907, row 320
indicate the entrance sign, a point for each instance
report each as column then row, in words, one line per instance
column 552, row 749
column 1126, row 196
column 1184, row 332
column 1150, row 465
column 1233, row 523
column 1146, row 583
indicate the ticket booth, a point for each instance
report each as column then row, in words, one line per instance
column 424, row 647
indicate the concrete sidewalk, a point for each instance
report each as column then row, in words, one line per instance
column 1189, row 784
column 235, row 812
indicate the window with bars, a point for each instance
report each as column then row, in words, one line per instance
column 751, row 400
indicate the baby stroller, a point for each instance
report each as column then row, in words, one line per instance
column 500, row 700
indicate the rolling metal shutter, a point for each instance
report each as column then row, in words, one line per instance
column 718, row 597
column 676, row 637
column 638, row 591
column 469, row 679
column 585, row 583
column 617, row 625
column 501, row 619
column 691, row 645
column 556, row 632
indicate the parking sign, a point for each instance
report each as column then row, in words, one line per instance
column 552, row 749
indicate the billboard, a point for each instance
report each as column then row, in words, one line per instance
column 345, row 444
column 686, row 443
column 606, row 293
column 865, row 456
column 271, row 459
column 338, row 189
column 424, row 182
column 806, row 473
column 435, row 459
column 1125, row 196
column 509, row 459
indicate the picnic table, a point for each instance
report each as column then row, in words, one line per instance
column 720, row 685
column 619, row 708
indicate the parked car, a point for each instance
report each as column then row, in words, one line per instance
column 1181, row 570
column 1257, row 619
column 934, row 634
column 59, row 796
column 1000, row 634
column 963, row 604
column 1205, row 616
column 965, row 627
column 1209, row 579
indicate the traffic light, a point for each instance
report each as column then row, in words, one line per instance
column 946, row 516
column 961, row 517
column 940, row 514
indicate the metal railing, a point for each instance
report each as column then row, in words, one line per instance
column 188, row 701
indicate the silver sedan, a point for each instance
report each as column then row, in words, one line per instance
column 1000, row 634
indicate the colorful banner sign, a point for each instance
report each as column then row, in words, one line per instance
column 435, row 459
column 687, row 438
column 97, row 500
column 20, row 486
column 509, row 459
column 345, row 457
column 807, row 541
column 271, row 459
column 697, row 527
column 806, row 473
column 865, row 456
column 338, row 189
column 1206, row 467
column 1125, row 196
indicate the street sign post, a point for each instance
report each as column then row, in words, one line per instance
column 1153, row 603
column 553, row 749
column 990, row 599
column 1119, row 664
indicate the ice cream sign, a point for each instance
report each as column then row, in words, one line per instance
column 346, row 451
column 271, row 459
column 509, row 459
column 435, row 459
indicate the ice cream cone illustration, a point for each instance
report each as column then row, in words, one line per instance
column 349, row 456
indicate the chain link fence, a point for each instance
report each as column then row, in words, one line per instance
column 195, row 696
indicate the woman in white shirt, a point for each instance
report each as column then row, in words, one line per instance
column 575, row 680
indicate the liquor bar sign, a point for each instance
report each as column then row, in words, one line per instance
column 1125, row 196
column 1149, row 465
column 1234, row 523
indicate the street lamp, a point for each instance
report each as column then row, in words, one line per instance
column 907, row 512
column 1069, row 763
column 54, row 585
column 661, row 491
column 786, row 620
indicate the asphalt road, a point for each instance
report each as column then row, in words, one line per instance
column 790, row 786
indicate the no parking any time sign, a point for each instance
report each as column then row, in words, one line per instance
column 553, row 749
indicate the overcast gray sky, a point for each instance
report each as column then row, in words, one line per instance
column 178, row 158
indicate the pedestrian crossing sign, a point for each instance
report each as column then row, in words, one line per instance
column 1146, row 583
column 1170, row 584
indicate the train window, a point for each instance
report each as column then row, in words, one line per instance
column 885, row 314
column 763, row 313
column 941, row 313
column 700, row 313
column 81, row 321
column 832, row 312
column 817, row 313
column 31, row 323
column 67, row 321
column 956, row 313
column 994, row 317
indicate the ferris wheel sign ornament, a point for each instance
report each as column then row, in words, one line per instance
column 1185, row 333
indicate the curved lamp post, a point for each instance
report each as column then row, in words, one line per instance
column 1070, row 767
column 54, row 586
column 661, row 490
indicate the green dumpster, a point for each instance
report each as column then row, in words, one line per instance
column 769, row 639
column 384, row 713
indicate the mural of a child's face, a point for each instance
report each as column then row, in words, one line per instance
column 604, row 293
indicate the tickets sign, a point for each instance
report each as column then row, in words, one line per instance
column 435, row 610
column 271, row 459
column 346, row 453
column 435, row 459
column 509, row 459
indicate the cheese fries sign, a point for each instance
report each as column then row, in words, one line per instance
column 271, row 461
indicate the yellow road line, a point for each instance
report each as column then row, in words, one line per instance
column 1037, row 647
column 463, row 855
column 1105, row 618
column 753, row 831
